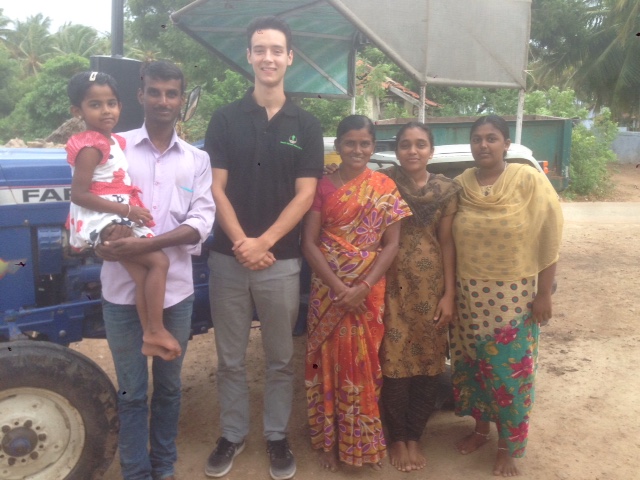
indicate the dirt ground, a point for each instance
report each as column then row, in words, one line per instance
column 626, row 180
column 586, row 420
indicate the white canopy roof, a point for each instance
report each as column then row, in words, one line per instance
column 479, row 43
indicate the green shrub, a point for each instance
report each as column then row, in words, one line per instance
column 590, row 149
column 590, row 154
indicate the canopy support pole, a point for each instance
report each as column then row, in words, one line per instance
column 423, row 100
column 519, row 116
column 355, row 83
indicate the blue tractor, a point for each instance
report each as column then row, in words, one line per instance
column 58, row 417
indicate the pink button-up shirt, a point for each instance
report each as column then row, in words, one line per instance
column 176, row 188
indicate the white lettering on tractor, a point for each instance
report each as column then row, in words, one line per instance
column 17, row 196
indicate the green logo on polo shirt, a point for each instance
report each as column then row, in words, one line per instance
column 292, row 142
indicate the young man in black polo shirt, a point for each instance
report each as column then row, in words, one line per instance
column 266, row 154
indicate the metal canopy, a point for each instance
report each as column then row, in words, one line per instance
column 323, row 40
column 441, row 42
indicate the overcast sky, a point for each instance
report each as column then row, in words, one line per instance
column 93, row 13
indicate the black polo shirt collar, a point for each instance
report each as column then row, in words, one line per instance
column 248, row 104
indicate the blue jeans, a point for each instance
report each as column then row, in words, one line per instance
column 124, row 334
column 234, row 292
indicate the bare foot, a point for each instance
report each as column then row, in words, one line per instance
column 505, row 465
column 418, row 462
column 376, row 466
column 151, row 350
column 329, row 460
column 471, row 442
column 399, row 456
column 162, row 338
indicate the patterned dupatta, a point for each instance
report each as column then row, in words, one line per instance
column 510, row 234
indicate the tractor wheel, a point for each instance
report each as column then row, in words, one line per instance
column 58, row 416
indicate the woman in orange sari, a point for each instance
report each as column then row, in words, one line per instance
column 350, row 237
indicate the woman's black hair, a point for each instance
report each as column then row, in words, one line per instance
column 410, row 125
column 495, row 120
column 81, row 82
column 355, row 122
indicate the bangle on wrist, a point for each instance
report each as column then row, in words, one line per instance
column 128, row 211
column 366, row 283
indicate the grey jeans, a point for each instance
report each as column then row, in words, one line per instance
column 234, row 292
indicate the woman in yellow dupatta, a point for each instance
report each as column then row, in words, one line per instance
column 507, row 234
column 350, row 238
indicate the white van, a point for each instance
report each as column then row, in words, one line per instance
column 452, row 160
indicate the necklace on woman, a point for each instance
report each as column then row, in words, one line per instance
column 487, row 188
column 422, row 182
column 340, row 176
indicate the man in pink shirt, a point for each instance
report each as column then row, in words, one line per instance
column 175, row 179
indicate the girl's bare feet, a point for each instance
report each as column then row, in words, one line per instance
column 329, row 460
column 472, row 442
column 162, row 338
column 418, row 461
column 376, row 466
column 399, row 456
column 151, row 350
column 505, row 465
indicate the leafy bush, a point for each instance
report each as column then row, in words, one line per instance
column 590, row 154
column 590, row 149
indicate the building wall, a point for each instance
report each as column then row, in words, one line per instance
column 627, row 147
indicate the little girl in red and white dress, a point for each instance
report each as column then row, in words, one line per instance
column 102, row 196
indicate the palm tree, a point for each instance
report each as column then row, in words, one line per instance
column 591, row 46
column 559, row 31
column 30, row 42
column 80, row 40
column 4, row 30
column 143, row 51
column 613, row 73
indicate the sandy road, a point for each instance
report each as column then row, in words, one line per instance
column 586, row 420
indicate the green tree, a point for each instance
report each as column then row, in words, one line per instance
column 329, row 112
column 46, row 106
column 4, row 26
column 143, row 51
column 554, row 102
column 230, row 87
column 30, row 43
column 79, row 40
column 376, row 58
column 590, row 149
column 9, row 84
column 374, row 67
column 149, row 29
column 591, row 46
column 559, row 33
column 463, row 101
column 613, row 73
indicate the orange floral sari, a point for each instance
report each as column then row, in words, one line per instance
column 343, row 375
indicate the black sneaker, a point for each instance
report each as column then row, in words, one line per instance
column 220, row 461
column 283, row 465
